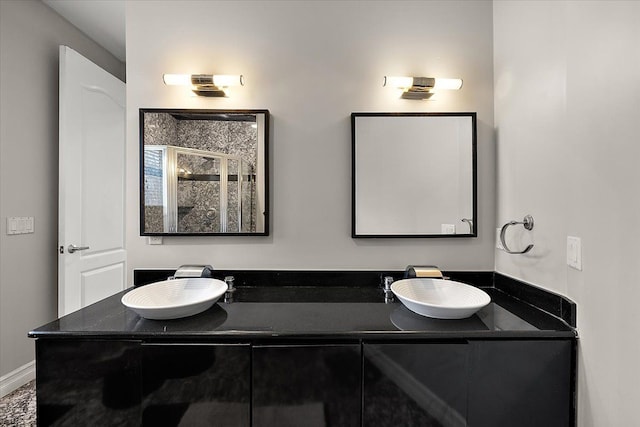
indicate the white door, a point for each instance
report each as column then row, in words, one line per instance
column 91, row 183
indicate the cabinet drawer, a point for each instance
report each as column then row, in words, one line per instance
column 521, row 383
column 196, row 384
column 300, row 385
column 83, row 382
column 415, row 384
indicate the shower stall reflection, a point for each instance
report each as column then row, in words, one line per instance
column 200, row 192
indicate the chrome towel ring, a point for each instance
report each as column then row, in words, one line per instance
column 528, row 225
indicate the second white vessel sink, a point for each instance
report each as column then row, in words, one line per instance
column 440, row 299
column 173, row 299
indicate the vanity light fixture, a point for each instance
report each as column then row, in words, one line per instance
column 205, row 84
column 420, row 87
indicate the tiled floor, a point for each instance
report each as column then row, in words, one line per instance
column 18, row 409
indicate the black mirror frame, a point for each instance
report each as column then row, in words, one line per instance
column 267, row 201
column 474, row 161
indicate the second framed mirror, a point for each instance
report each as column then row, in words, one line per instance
column 414, row 175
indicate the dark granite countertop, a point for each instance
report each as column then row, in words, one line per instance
column 308, row 312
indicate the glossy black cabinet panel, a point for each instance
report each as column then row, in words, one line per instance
column 521, row 383
column 415, row 384
column 307, row 385
column 196, row 385
column 82, row 383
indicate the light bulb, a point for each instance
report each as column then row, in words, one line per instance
column 398, row 82
column 228, row 80
column 451, row 84
column 177, row 79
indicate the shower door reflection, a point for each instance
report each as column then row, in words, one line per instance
column 197, row 191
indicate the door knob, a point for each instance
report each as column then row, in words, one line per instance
column 73, row 248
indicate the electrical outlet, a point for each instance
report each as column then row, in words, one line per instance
column 448, row 228
column 155, row 240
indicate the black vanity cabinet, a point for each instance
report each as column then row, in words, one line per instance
column 480, row 383
column 306, row 385
column 196, row 384
column 477, row 383
column 309, row 356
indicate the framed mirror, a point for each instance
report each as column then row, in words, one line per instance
column 414, row 175
column 204, row 172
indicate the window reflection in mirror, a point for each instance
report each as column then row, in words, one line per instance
column 414, row 175
column 204, row 172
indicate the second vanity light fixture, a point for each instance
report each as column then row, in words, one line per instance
column 205, row 84
column 420, row 87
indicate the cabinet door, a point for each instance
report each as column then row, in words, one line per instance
column 196, row 385
column 521, row 383
column 316, row 385
column 82, row 383
column 415, row 384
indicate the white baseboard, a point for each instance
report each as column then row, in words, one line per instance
column 17, row 378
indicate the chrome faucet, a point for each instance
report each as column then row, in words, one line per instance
column 387, row 281
column 190, row 270
column 228, row 295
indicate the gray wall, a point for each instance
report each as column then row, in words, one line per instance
column 567, row 98
column 312, row 64
column 30, row 34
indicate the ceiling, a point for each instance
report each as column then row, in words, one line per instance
column 103, row 21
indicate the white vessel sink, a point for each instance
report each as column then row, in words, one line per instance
column 440, row 299
column 173, row 299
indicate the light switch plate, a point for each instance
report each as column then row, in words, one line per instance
column 574, row 252
column 20, row 225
